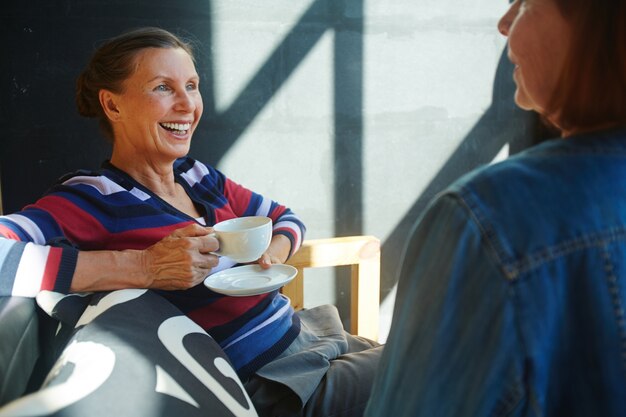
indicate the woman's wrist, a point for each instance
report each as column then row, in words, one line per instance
column 280, row 247
column 110, row 270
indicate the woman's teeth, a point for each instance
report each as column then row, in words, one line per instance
column 180, row 127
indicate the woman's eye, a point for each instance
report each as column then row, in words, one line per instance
column 161, row 87
column 192, row 86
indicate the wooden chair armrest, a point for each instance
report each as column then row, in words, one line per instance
column 362, row 253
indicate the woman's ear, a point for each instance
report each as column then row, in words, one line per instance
column 108, row 101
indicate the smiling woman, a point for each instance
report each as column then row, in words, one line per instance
column 145, row 220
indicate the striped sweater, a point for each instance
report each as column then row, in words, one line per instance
column 109, row 210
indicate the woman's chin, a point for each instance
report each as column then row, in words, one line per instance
column 177, row 149
column 523, row 101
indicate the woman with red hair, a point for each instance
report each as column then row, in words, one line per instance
column 512, row 295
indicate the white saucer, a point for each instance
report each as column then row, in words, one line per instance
column 250, row 279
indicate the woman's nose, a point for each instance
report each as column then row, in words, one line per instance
column 504, row 24
column 185, row 102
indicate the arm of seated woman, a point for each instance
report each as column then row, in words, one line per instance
column 178, row 261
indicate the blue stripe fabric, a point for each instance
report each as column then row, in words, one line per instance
column 256, row 363
column 223, row 334
column 255, row 201
column 46, row 224
column 114, row 216
column 241, row 351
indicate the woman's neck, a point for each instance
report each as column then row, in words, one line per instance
column 157, row 176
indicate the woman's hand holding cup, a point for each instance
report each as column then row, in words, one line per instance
column 184, row 258
column 277, row 253
column 181, row 260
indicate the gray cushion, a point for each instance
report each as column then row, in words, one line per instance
column 19, row 346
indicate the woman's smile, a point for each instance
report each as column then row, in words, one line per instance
column 180, row 130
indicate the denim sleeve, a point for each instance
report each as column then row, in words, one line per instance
column 454, row 347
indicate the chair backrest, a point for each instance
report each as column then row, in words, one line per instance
column 362, row 254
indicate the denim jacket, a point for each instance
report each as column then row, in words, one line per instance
column 512, row 292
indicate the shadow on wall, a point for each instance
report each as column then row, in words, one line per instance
column 502, row 124
column 44, row 137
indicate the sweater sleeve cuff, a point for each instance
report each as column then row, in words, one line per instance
column 67, row 266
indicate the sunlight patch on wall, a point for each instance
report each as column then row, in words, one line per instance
column 502, row 154
column 245, row 34
column 287, row 153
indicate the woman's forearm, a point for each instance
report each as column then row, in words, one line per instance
column 177, row 262
column 109, row 270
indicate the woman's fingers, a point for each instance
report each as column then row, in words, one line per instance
column 208, row 243
column 265, row 261
column 196, row 236
column 182, row 259
column 193, row 229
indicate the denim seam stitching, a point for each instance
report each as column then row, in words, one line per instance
column 548, row 254
column 618, row 308
column 493, row 244
column 514, row 268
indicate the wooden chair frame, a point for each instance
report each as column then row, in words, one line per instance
column 362, row 253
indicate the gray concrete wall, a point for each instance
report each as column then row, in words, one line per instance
column 354, row 113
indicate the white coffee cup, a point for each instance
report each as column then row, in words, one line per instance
column 243, row 239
